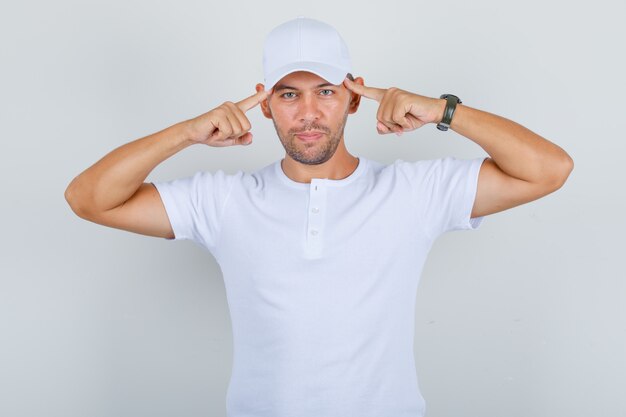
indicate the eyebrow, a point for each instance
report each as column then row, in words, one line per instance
column 287, row 87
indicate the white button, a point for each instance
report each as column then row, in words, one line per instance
column 313, row 232
column 315, row 210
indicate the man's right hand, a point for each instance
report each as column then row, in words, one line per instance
column 227, row 124
column 112, row 192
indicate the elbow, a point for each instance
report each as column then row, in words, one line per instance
column 73, row 201
column 562, row 171
column 69, row 195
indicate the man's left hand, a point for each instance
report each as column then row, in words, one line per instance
column 399, row 110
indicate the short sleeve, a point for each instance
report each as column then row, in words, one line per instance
column 195, row 204
column 445, row 191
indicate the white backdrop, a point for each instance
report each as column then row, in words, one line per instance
column 523, row 317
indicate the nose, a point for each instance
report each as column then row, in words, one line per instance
column 308, row 108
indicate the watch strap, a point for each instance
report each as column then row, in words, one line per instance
column 451, row 102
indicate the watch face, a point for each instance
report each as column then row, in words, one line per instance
column 458, row 100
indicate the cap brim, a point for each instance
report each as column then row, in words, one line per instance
column 331, row 74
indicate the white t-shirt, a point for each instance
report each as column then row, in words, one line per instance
column 321, row 278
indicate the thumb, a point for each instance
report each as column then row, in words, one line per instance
column 245, row 139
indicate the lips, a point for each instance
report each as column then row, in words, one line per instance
column 309, row 136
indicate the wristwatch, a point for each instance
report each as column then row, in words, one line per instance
column 452, row 101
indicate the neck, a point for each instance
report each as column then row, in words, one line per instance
column 338, row 167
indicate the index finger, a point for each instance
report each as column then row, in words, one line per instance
column 369, row 92
column 249, row 102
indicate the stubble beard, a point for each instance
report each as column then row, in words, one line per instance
column 316, row 152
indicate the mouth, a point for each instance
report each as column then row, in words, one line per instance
column 309, row 136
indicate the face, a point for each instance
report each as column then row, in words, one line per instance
column 303, row 102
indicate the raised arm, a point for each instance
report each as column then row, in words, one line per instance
column 522, row 167
column 112, row 192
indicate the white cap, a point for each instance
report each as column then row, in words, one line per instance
column 305, row 44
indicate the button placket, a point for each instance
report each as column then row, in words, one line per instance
column 316, row 216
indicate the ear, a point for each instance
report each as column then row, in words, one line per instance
column 355, row 99
column 265, row 106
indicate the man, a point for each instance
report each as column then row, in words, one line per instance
column 321, row 252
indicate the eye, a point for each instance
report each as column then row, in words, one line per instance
column 331, row 91
column 283, row 95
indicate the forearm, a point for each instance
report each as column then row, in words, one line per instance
column 116, row 177
column 516, row 150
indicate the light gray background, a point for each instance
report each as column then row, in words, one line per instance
column 524, row 317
